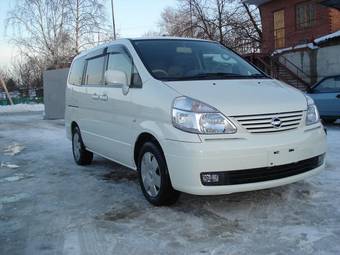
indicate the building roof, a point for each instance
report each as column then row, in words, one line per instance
column 256, row 2
column 331, row 3
column 328, row 37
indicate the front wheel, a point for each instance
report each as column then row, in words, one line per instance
column 153, row 176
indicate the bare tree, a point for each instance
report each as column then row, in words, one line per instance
column 87, row 23
column 230, row 22
column 28, row 74
column 8, row 79
column 38, row 28
column 56, row 30
column 49, row 33
column 152, row 33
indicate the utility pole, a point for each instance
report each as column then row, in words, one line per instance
column 113, row 21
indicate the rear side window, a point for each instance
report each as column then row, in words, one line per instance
column 76, row 73
column 94, row 71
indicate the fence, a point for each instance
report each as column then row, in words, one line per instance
column 23, row 100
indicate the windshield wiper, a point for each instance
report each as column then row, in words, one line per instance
column 201, row 76
column 257, row 75
column 217, row 75
column 234, row 75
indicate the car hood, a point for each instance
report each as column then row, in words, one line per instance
column 243, row 97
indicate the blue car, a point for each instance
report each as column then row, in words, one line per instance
column 326, row 94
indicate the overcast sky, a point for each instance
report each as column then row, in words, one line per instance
column 133, row 19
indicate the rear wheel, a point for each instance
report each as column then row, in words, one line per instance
column 80, row 154
column 153, row 176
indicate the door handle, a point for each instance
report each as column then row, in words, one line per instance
column 104, row 97
column 95, row 96
column 338, row 96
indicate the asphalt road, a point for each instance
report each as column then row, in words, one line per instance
column 49, row 205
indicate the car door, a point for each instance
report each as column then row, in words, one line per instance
column 92, row 120
column 327, row 97
column 116, row 108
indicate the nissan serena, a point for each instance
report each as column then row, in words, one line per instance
column 190, row 116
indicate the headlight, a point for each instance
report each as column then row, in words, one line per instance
column 312, row 116
column 196, row 117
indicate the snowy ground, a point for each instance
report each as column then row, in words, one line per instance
column 49, row 205
column 21, row 108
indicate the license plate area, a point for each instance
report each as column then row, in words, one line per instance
column 281, row 156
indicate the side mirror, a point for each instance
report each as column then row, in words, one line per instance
column 117, row 77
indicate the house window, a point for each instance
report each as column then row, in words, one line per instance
column 279, row 29
column 305, row 15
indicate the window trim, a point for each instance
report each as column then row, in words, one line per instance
column 300, row 26
column 82, row 72
column 121, row 49
column 103, row 70
column 282, row 28
column 133, row 42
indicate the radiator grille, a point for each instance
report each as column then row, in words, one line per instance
column 271, row 122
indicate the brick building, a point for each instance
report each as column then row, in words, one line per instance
column 301, row 40
column 287, row 23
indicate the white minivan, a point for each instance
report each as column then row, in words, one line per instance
column 190, row 116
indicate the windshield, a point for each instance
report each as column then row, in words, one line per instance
column 173, row 60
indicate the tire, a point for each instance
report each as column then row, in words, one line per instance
column 81, row 156
column 154, row 177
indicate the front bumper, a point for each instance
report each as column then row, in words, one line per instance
column 186, row 161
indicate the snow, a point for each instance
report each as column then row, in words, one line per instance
column 13, row 199
column 50, row 205
column 22, row 108
column 13, row 149
column 8, row 165
column 296, row 47
column 313, row 45
column 327, row 37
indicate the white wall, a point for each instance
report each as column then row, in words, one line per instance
column 54, row 93
column 300, row 59
column 327, row 58
column 328, row 61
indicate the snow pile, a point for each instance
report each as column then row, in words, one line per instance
column 327, row 37
column 8, row 165
column 296, row 47
column 311, row 46
column 22, row 108
column 13, row 149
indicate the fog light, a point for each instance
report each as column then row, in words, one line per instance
column 321, row 159
column 210, row 178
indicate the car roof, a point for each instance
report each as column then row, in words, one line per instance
column 168, row 38
column 125, row 40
